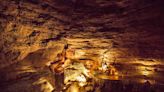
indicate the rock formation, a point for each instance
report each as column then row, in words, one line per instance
column 37, row 37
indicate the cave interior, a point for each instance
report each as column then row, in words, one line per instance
column 81, row 45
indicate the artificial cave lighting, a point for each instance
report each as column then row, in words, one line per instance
column 104, row 67
column 77, row 74
column 81, row 46
column 147, row 71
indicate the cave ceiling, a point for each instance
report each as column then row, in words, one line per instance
column 129, row 32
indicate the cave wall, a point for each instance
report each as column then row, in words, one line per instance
column 131, row 32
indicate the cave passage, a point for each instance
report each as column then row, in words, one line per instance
column 73, row 73
column 76, row 71
column 81, row 45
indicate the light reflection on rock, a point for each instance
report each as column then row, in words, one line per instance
column 44, row 84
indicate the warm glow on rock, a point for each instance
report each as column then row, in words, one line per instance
column 147, row 71
column 46, row 86
column 79, row 53
column 81, row 78
column 81, row 45
column 74, row 88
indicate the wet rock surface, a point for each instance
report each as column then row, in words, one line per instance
column 125, row 35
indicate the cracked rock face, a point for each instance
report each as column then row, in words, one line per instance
column 127, row 34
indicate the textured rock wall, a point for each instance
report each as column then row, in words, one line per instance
column 129, row 32
column 131, row 26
